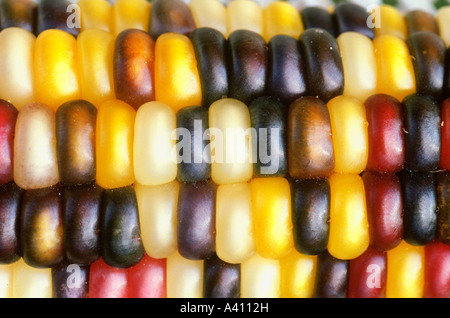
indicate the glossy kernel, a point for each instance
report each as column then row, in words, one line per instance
column 360, row 70
column 154, row 157
column 390, row 21
column 75, row 142
column 405, row 271
column 134, row 58
column 81, row 223
column 17, row 85
column 260, row 277
column 194, row 163
column 31, row 282
column 286, row 78
column 437, row 273
column 419, row 204
column 268, row 117
column 349, row 133
column 422, row 123
column 349, row 230
column 170, row 16
column 317, row 17
column 121, row 244
column 230, row 146
column 235, row 241
column 221, row 280
column 55, row 68
column 35, row 158
column 428, row 53
column 352, row 17
column 41, row 227
column 147, row 279
column 272, row 220
column 210, row 14
column 247, row 65
column 386, row 134
column 158, row 218
column 384, row 209
column 196, row 220
column 95, row 49
column 114, row 144
column 130, row 14
column 184, row 277
column 311, row 215
column 244, row 15
column 395, row 71
column 106, row 281
column 210, row 52
column 95, row 14
column 281, row 18
column 324, row 68
column 309, row 139
column 297, row 273
column 332, row 274
column 177, row 82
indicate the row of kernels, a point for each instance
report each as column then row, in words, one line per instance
column 405, row 272
column 274, row 18
column 384, row 67
column 117, row 145
column 344, row 214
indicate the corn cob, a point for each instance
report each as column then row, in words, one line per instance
column 88, row 113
